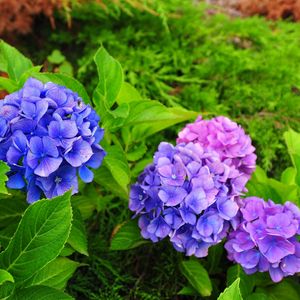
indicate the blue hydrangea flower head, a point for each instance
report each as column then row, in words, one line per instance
column 47, row 137
column 187, row 195
column 266, row 238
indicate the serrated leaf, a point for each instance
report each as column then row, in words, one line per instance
column 64, row 80
column 40, row 292
column 127, row 237
column 232, row 292
column 13, row 62
column 197, row 276
column 110, row 79
column 3, row 178
column 55, row 274
column 40, row 237
column 77, row 238
column 5, row 276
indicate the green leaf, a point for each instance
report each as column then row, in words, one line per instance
column 259, row 186
column 117, row 164
column 5, row 276
column 55, row 274
column 137, row 153
column 292, row 139
column 39, row 239
column 6, row 234
column 127, row 237
column 3, row 178
column 11, row 210
column 232, row 292
column 197, row 276
column 6, row 290
column 13, row 62
column 110, row 78
column 66, row 251
column 268, row 188
column 188, row 291
column 65, row 80
column 104, row 178
column 56, row 57
column 288, row 176
column 8, row 85
column 128, row 93
column 257, row 296
column 247, row 282
column 40, row 292
column 77, row 239
column 284, row 290
column 149, row 117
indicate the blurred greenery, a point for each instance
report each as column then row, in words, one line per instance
column 186, row 55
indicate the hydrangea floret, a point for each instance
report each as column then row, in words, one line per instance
column 188, row 195
column 266, row 238
column 47, row 137
column 225, row 137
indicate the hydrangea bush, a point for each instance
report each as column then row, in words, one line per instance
column 193, row 194
column 266, row 238
column 48, row 136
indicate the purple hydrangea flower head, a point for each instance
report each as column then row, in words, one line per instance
column 47, row 137
column 228, row 139
column 266, row 238
column 185, row 195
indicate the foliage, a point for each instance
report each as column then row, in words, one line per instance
column 190, row 62
column 204, row 62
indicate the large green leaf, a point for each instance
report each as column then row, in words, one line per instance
column 232, row 292
column 65, row 80
column 77, row 238
column 127, row 237
column 55, row 274
column 148, row 117
column 197, row 276
column 292, row 139
column 40, row 237
column 110, row 79
column 247, row 282
column 13, row 62
column 3, row 178
column 5, row 276
column 40, row 292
